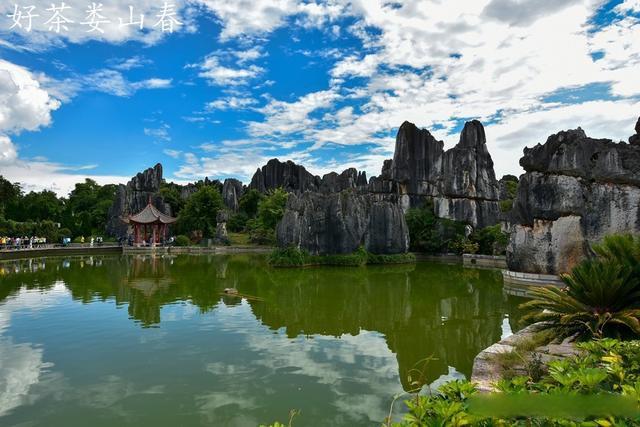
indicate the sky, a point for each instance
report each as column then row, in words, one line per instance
column 218, row 87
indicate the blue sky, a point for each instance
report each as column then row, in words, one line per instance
column 324, row 83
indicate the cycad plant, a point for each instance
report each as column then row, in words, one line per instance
column 602, row 296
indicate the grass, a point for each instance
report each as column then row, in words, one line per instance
column 523, row 356
column 294, row 257
column 240, row 239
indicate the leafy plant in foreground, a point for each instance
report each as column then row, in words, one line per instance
column 602, row 296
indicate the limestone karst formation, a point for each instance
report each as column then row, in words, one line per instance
column 575, row 191
column 133, row 197
column 145, row 186
column 460, row 182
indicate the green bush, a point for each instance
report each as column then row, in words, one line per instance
column 602, row 296
column 182, row 240
column 506, row 205
column 491, row 240
column 295, row 257
column 605, row 368
column 199, row 214
column 463, row 245
column 430, row 234
column 237, row 222
column 262, row 229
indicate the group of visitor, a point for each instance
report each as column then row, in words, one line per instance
column 22, row 242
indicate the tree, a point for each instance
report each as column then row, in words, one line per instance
column 88, row 206
column 171, row 195
column 44, row 205
column 10, row 193
column 249, row 202
column 200, row 212
column 270, row 211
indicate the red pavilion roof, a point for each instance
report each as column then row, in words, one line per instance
column 150, row 215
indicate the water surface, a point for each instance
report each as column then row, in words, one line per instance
column 153, row 341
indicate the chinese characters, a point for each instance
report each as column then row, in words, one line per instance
column 57, row 18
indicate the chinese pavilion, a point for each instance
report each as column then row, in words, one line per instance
column 149, row 225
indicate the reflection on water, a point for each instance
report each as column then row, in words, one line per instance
column 334, row 342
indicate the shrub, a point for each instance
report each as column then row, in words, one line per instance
column 602, row 296
column 295, row 257
column 430, row 234
column 506, row 205
column 237, row 222
column 200, row 212
column 464, row 246
column 605, row 368
column 270, row 211
column 182, row 240
column 491, row 240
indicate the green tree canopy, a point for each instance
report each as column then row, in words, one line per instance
column 88, row 207
column 200, row 211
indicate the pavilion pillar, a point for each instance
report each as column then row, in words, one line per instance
column 153, row 228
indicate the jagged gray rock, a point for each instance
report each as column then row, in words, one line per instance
column 460, row 181
column 575, row 191
column 635, row 139
column 287, row 175
column 348, row 179
column 232, row 190
column 133, row 197
column 222, row 237
column 338, row 223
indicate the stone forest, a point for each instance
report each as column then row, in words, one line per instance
column 431, row 294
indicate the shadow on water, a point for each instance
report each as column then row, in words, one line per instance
column 426, row 309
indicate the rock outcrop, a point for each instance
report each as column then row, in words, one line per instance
column 222, row 237
column 635, row 139
column 460, row 181
column 286, row 175
column 348, row 179
column 133, row 197
column 339, row 223
column 232, row 190
column 575, row 191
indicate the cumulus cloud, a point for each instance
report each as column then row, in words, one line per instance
column 231, row 103
column 251, row 18
column 221, row 75
column 24, row 105
column 159, row 133
column 524, row 12
column 282, row 118
column 439, row 63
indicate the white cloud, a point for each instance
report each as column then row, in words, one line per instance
column 599, row 119
column 435, row 63
column 24, row 105
column 629, row 6
column 524, row 12
column 220, row 75
column 8, row 151
column 172, row 153
column 283, row 117
column 130, row 63
column 250, row 17
column 160, row 133
column 36, row 175
column 231, row 103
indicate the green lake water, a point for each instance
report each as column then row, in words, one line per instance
column 153, row 341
